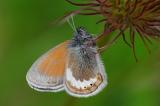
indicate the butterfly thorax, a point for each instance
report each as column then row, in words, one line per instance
column 82, row 39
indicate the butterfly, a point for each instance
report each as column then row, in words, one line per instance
column 74, row 66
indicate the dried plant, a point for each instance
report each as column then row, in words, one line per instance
column 137, row 16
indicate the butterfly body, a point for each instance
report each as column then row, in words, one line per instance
column 74, row 65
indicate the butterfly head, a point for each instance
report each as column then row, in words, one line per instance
column 82, row 38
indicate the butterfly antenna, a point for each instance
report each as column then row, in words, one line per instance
column 71, row 23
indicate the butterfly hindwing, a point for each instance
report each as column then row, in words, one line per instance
column 85, row 74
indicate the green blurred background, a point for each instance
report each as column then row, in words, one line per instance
column 26, row 32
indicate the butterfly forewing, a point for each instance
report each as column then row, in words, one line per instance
column 47, row 73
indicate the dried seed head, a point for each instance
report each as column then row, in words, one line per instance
column 141, row 16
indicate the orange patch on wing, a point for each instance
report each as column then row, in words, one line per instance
column 54, row 62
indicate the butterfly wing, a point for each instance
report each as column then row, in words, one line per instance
column 47, row 73
column 85, row 74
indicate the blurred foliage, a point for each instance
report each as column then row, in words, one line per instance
column 26, row 32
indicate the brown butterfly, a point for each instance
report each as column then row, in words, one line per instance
column 74, row 66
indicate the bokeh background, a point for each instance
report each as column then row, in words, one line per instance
column 26, row 32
